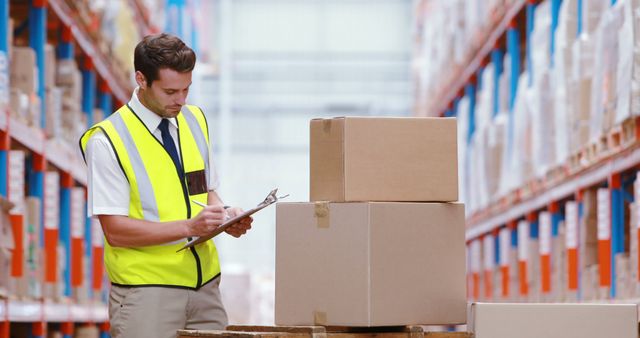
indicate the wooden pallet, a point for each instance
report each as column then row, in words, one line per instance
column 322, row 332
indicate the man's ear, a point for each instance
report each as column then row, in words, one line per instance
column 141, row 80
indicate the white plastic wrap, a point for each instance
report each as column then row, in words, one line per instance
column 603, row 93
column 540, row 103
column 518, row 141
column 625, row 63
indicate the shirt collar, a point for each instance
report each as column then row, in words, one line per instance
column 149, row 118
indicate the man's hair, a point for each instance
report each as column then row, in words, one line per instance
column 160, row 51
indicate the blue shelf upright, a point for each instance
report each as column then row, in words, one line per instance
column 37, row 41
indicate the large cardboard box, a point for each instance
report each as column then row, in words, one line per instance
column 553, row 320
column 370, row 264
column 383, row 159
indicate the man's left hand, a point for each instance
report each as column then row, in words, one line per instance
column 242, row 226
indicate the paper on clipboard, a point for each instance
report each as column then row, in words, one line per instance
column 270, row 199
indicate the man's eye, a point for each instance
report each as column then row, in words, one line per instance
column 170, row 92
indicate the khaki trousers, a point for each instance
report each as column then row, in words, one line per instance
column 136, row 312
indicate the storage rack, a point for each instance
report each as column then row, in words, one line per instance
column 613, row 167
column 102, row 87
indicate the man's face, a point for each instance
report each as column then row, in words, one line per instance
column 167, row 94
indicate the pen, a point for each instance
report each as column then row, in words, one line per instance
column 204, row 205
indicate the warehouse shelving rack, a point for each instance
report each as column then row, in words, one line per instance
column 611, row 164
column 102, row 86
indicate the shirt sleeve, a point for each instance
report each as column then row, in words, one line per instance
column 108, row 188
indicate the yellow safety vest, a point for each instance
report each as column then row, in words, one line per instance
column 159, row 194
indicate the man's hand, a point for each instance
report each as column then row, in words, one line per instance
column 242, row 226
column 209, row 218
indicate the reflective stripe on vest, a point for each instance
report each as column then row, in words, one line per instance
column 158, row 194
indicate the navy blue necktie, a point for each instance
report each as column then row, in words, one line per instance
column 169, row 145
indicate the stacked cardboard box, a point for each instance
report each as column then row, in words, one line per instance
column 69, row 82
column 24, row 83
column 367, row 250
column 553, row 320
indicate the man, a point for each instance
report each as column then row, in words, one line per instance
column 148, row 165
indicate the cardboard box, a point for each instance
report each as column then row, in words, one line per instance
column 370, row 264
column 383, row 159
column 54, row 112
column 553, row 320
column 24, row 72
column 49, row 66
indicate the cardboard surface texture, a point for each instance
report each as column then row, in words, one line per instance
column 370, row 264
column 383, row 159
column 553, row 320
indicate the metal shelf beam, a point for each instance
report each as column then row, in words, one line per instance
column 595, row 174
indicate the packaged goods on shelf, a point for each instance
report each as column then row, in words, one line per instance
column 54, row 112
column 51, row 200
column 553, row 320
column 51, row 219
column 590, row 282
column 428, row 239
column 588, row 230
column 6, row 246
column 540, row 102
column 79, row 282
column 33, row 252
column 347, row 157
column 49, row 66
column 623, row 277
column 24, row 72
column 565, row 36
column 87, row 331
column 5, row 89
column 35, row 111
column 68, row 76
column 488, row 263
column 450, row 31
column 519, row 149
column 603, row 93
column 559, row 275
column 475, row 269
column 16, row 180
column 19, row 105
column 624, row 63
column 592, row 13
column 493, row 153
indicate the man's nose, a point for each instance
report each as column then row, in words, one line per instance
column 181, row 99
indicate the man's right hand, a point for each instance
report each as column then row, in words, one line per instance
column 209, row 218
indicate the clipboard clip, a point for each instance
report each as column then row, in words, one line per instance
column 272, row 198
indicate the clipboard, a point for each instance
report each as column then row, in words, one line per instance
column 270, row 199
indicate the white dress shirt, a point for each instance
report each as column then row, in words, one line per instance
column 108, row 188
